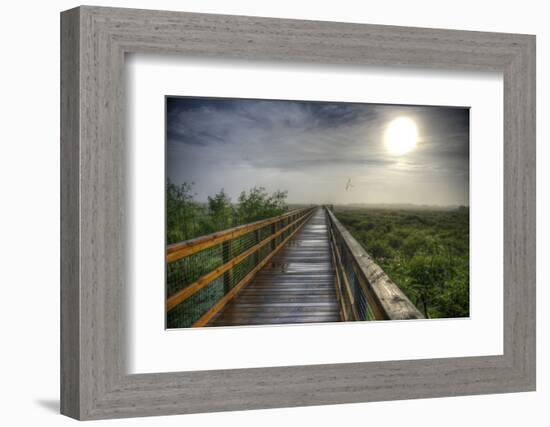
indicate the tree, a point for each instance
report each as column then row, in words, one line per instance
column 278, row 201
column 220, row 211
column 257, row 204
column 182, row 212
column 428, row 274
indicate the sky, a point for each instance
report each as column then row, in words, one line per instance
column 313, row 150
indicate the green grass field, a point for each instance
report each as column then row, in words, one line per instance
column 424, row 251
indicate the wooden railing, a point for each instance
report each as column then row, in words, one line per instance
column 205, row 273
column 364, row 290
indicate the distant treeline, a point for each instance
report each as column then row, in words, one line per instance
column 425, row 252
column 187, row 218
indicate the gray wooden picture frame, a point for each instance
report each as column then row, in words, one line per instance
column 94, row 382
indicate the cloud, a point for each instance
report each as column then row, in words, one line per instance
column 313, row 139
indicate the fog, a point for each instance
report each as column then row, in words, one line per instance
column 314, row 149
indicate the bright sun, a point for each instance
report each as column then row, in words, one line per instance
column 401, row 136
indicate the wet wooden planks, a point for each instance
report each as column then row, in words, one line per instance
column 296, row 286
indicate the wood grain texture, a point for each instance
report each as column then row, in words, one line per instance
column 70, row 220
column 95, row 383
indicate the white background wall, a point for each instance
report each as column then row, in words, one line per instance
column 29, row 213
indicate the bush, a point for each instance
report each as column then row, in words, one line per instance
column 394, row 241
column 415, row 244
column 379, row 249
column 426, row 253
column 428, row 274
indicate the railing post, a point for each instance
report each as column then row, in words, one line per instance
column 256, row 241
column 228, row 275
column 274, row 228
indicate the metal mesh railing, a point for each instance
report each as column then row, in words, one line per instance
column 204, row 273
column 364, row 290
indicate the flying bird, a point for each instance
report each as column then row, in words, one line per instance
column 349, row 184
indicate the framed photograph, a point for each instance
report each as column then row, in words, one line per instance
column 264, row 198
column 263, row 213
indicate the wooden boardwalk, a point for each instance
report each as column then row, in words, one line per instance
column 296, row 286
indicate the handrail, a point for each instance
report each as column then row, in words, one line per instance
column 365, row 290
column 207, row 272
column 210, row 314
column 185, row 248
column 214, row 274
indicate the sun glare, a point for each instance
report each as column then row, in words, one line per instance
column 401, row 136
